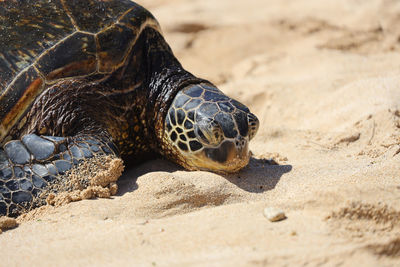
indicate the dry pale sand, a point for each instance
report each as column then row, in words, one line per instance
column 324, row 79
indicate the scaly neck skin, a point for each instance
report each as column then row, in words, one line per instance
column 163, row 88
column 166, row 77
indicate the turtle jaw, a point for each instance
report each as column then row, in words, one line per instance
column 205, row 152
column 229, row 157
column 226, row 155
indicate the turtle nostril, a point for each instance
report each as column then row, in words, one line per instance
column 253, row 125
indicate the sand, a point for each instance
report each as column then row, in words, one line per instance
column 323, row 77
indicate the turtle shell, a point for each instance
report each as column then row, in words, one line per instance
column 43, row 41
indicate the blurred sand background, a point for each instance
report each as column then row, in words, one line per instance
column 324, row 79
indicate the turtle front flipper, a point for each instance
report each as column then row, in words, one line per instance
column 35, row 166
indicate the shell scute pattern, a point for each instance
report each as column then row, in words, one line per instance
column 60, row 39
column 93, row 16
column 20, row 92
column 74, row 56
column 134, row 19
column 113, row 48
column 23, row 178
column 23, row 39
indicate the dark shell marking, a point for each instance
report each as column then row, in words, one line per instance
column 44, row 41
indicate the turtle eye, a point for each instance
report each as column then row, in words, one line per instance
column 202, row 137
column 253, row 124
column 209, row 133
column 217, row 133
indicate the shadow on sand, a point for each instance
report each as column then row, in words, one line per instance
column 259, row 176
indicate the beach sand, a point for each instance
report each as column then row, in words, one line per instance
column 323, row 77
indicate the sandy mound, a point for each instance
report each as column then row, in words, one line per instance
column 93, row 178
column 323, row 77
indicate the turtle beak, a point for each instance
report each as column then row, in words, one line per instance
column 231, row 155
column 229, row 151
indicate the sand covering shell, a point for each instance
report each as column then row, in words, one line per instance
column 93, row 178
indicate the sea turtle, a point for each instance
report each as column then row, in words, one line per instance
column 83, row 78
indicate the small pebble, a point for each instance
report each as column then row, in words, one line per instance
column 274, row 214
column 7, row 223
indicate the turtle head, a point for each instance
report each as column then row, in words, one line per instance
column 206, row 130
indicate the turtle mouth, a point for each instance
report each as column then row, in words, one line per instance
column 220, row 154
column 230, row 156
